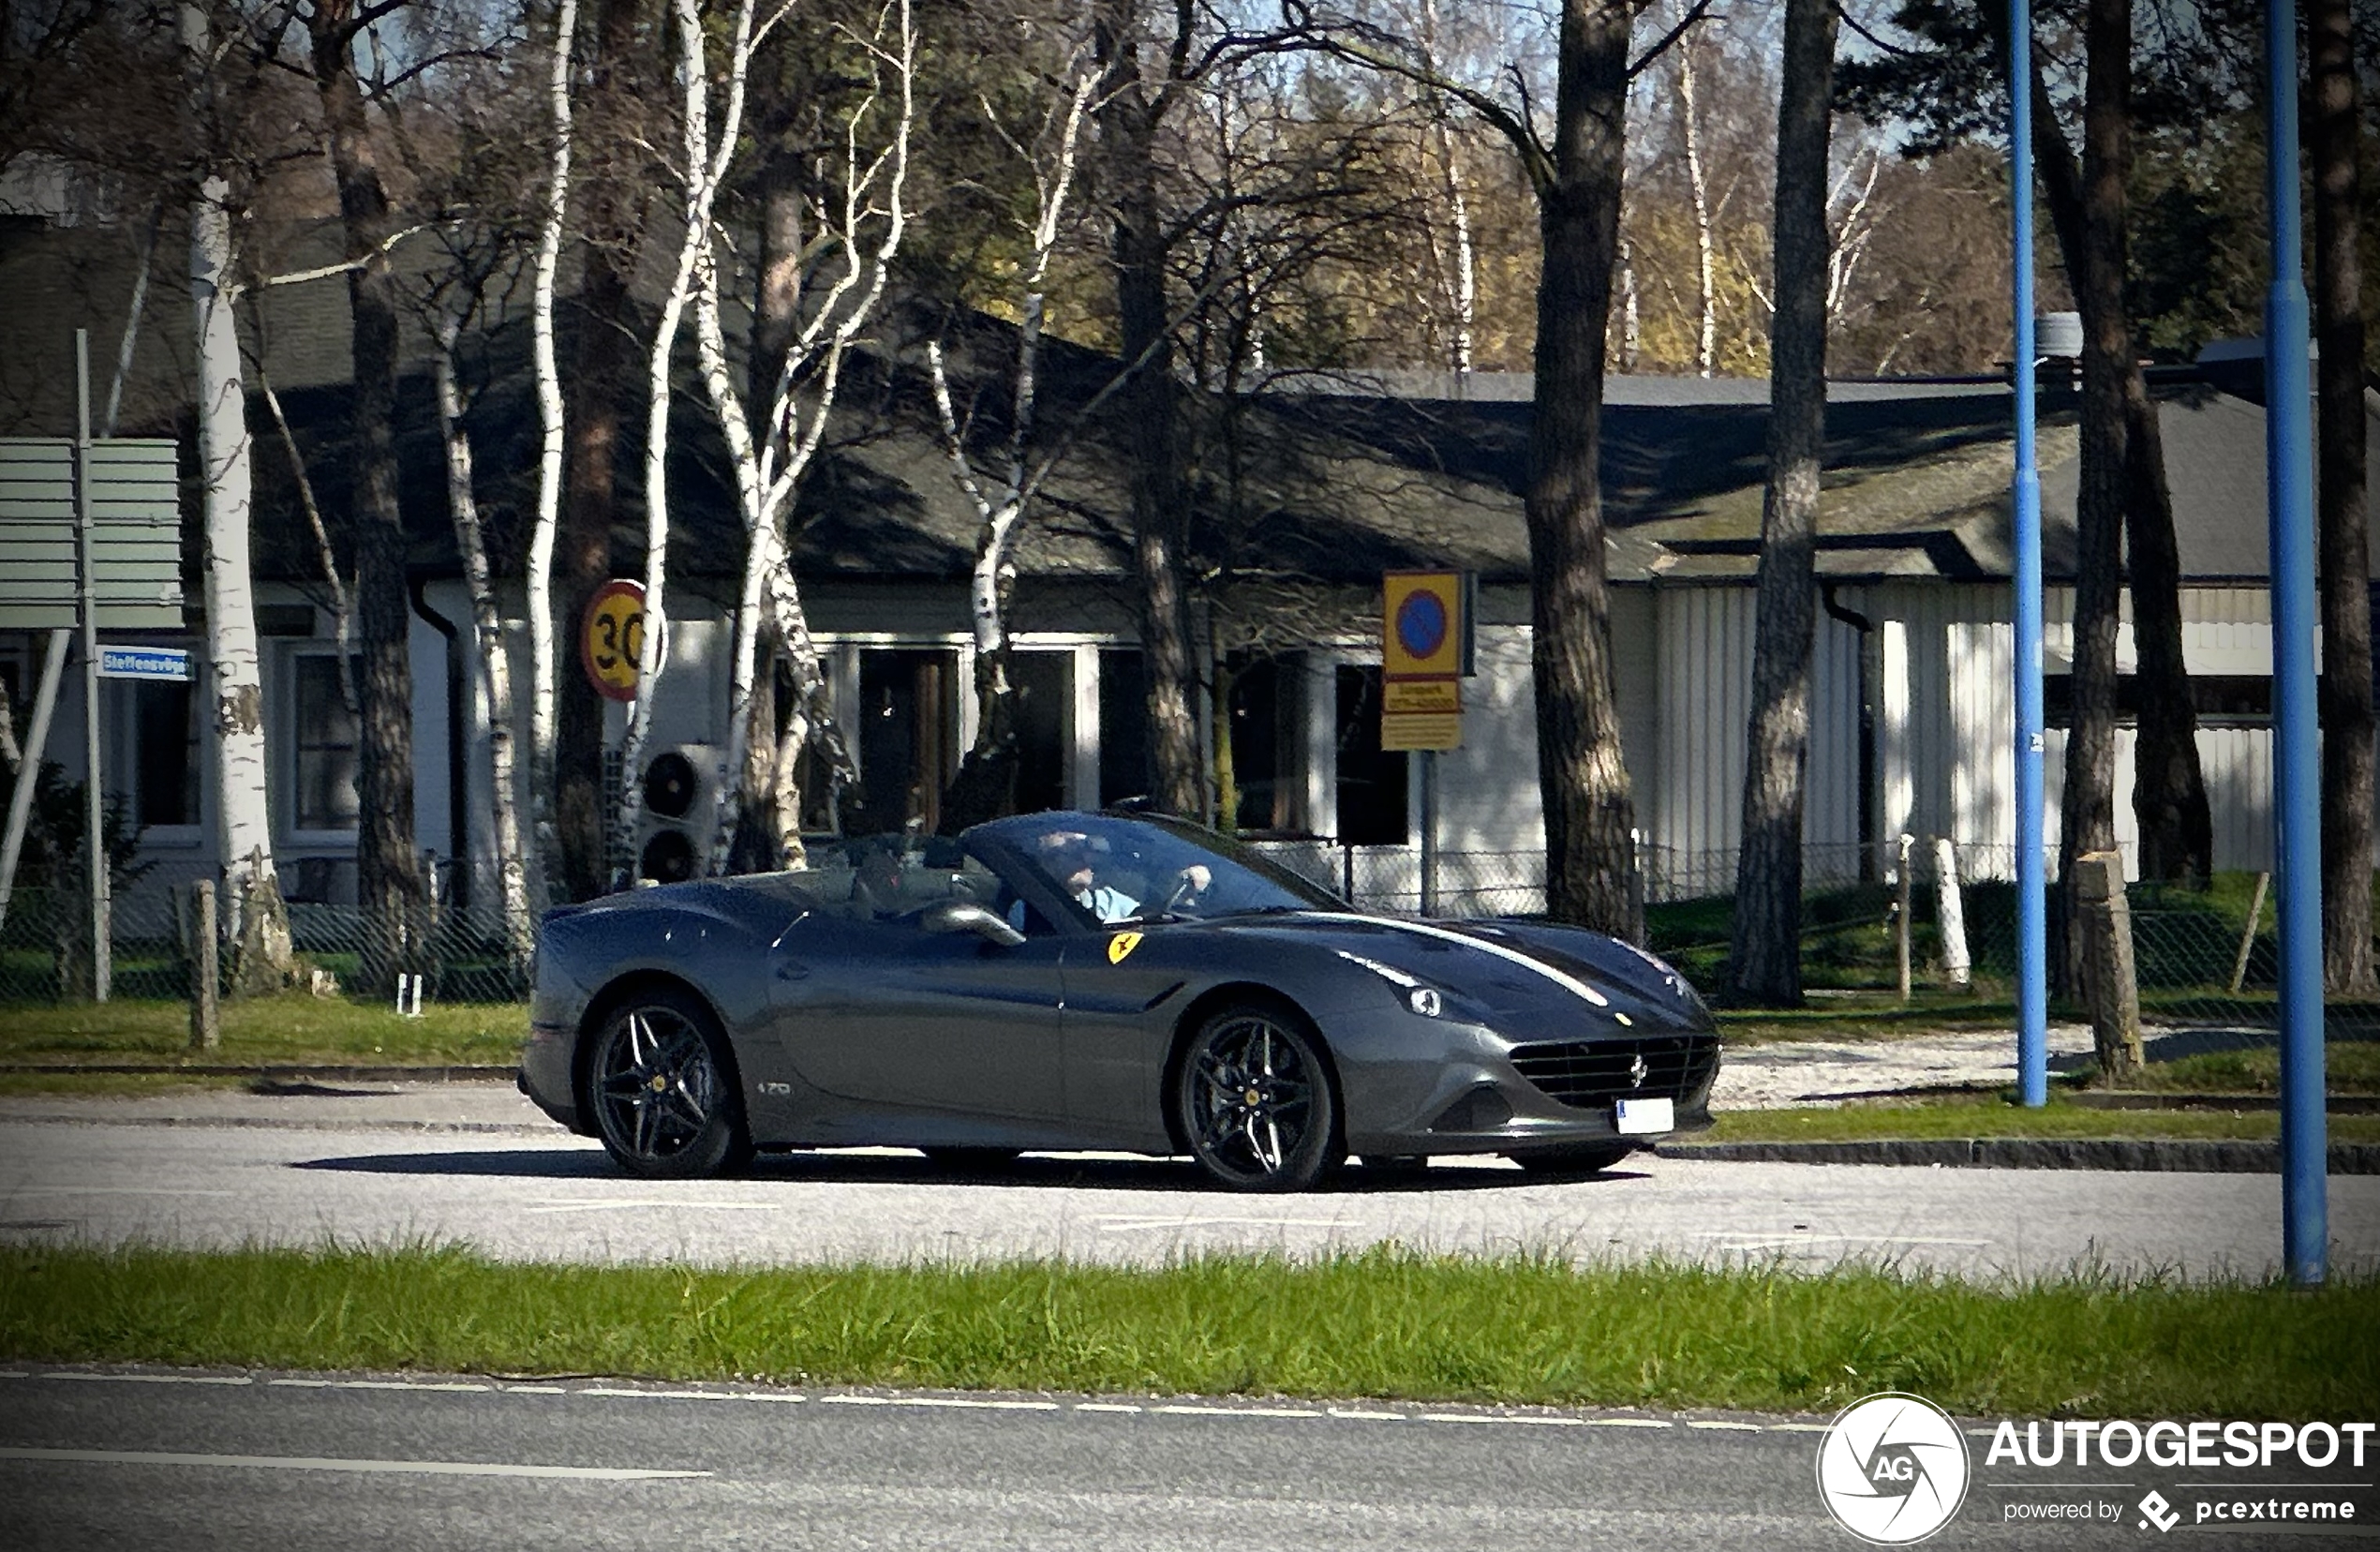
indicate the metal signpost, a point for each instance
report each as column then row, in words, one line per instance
column 1425, row 654
column 90, row 540
column 2296, row 742
column 2032, row 948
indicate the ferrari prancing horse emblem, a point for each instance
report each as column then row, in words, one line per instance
column 1121, row 944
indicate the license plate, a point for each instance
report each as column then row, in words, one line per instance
column 1635, row 1117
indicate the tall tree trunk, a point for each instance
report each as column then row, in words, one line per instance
column 1764, row 962
column 1699, row 186
column 388, row 874
column 1589, row 811
column 2169, row 790
column 547, row 872
column 244, row 828
column 2087, row 811
column 487, row 628
column 614, row 222
column 2347, row 755
column 1128, row 117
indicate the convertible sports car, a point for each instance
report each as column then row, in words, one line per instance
column 1097, row 980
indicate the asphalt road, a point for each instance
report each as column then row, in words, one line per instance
column 535, row 1193
column 191, row 1461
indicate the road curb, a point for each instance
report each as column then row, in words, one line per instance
column 2142, row 1155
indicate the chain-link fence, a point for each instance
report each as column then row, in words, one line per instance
column 45, row 948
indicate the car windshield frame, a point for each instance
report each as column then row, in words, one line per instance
column 1242, row 882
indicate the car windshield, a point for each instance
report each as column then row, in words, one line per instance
column 1129, row 870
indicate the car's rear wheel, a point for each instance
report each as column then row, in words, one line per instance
column 1584, row 1158
column 1253, row 1100
column 662, row 1088
column 961, row 1160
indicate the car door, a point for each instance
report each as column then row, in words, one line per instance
column 908, row 1018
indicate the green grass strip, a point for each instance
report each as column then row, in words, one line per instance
column 1385, row 1323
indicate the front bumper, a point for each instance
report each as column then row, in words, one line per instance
column 1454, row 1087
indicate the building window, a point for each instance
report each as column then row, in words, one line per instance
column 1124, row 727
column 165, row 752
column 1259, row 692
column 1044, row 685
column 326, row 738
column 1372, row 782
column 907, row 718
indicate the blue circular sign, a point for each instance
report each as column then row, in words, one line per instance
column 1420, row 623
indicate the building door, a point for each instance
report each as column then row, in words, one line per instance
column 908, row 736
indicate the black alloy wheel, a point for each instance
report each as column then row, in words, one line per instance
column 971, row 1160
column 1253, row 1101
column 663, row 1090
column 1581, row 1159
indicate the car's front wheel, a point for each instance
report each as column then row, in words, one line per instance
column 661, row 1082
column 1253, row 1101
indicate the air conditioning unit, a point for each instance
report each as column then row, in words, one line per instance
column 680, row 793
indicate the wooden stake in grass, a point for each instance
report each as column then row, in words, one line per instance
column 206, row 1022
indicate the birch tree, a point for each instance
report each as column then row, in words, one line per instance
column 703, row 165
column 545, row 873
column 859, row 231
column 258, row 923
column 986, row 783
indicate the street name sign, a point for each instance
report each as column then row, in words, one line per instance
column 167, row 664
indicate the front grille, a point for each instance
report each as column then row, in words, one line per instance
column 1589, row 1074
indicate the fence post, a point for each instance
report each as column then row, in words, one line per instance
column 1346, row 868
column 2109, row 982
column 1901, row 910
column 2248, row 933
column 1950, row 916
column 206, row 1022
column 1636, row 885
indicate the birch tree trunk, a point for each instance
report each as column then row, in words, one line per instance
column 487, row 626
column 1765, row 960
column 2347, row 755
column 545, row 871
column 1699, row 186
column 244, row 830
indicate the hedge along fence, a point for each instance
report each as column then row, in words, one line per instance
column 45, row 948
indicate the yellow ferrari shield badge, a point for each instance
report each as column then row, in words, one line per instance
column 1121, row 944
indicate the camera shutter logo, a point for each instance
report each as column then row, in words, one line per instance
column 1893, row 1468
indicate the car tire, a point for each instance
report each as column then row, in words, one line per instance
column 971, row 1160
column 1584, row 1158
column 661, row 1086
column 1254, row 1101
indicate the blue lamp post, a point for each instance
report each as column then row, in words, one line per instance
column 2296, row 738
column 2032, row 983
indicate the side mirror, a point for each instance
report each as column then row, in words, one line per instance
column 965, row 916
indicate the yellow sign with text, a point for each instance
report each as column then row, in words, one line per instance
column 1420, row 730
column 1405, row 697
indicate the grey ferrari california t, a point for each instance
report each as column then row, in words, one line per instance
column 1097, row 981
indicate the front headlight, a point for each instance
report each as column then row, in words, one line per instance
column 1422, row 999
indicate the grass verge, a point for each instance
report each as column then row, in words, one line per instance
column 1995, row 1115
column 1382, row 1323
column 292, row 1029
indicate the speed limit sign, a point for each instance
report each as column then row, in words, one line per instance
column 611, row 639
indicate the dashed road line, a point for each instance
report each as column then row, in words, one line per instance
column 1186, row 1409
column 381, row 1384
column 324, row 1463
column 960, row 1402
column 149, row 1379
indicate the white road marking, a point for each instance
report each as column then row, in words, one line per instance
column 152, row 1379
column 379, row 1384
column 1780, row 1241
column 1353, row 1415
column 1107, row 1407
column 675, row 1204
column 966, row 1402
column 117, row 1190
column 1626, row 1423
column 1729, row 1427
column 1128, row 1225
column 1189, row 1410
column 321, row 1463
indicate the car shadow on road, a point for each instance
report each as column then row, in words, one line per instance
column 1036, row 1172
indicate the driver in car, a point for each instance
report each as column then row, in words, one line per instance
column 1070, row 857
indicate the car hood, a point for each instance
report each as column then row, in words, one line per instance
column 1509, row 969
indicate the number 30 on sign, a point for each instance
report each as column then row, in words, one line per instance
column 612, row 638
